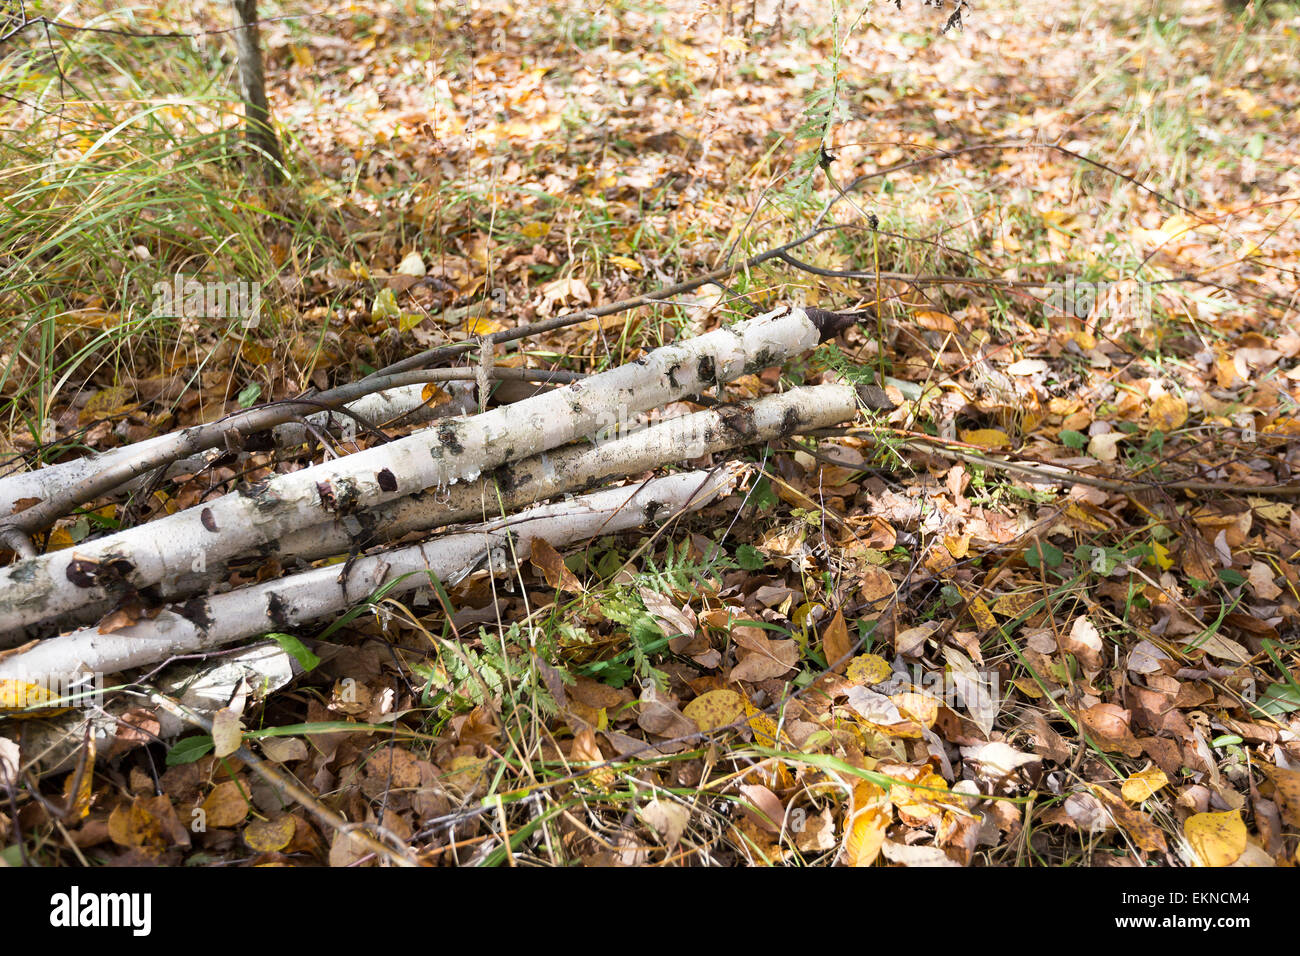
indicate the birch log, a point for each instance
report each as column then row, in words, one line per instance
column 405, row 403
column 46, row 586
column 517, row 484
column 579, row 467
column 282, row 605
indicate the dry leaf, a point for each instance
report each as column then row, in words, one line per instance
column 226, row 805
column 864, row 831
column 1218, row 839
column 836, row 645
column 1143, row 784
column 717, row 708
column 270, row 836
column 548, row 561
column 868, row 669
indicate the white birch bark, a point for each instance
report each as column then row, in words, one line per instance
column 284, row 604
column 578, row 467
column 52, row 745
column 518, row 484
column 403, row 402
column 47, row 586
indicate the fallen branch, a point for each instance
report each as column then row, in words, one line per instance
column 46, row 586
column 518, row 484
column 287, row 603
column 68, row 485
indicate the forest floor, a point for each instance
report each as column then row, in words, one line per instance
column 1101, row 206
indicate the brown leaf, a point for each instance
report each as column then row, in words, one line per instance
column 226, row 805
column 1138, row 825
column 660, row 716
column 836, row 646
column 763, row 807
column 1287, row 784
column 549, row 562
column 1109, row 726
column 1048, row 743
column 677, row 622
column 765, row 658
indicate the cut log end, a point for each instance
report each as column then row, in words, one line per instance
column 831, row 324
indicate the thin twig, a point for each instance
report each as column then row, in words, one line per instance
column 286, row 785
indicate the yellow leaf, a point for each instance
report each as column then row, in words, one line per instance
column 1217, row 838
column 986, row 437
column 482, row 325
column 1167, row 413
column 623, row 262
column 433, row 396
column 1141, row 785
column 59, row 539
column 18, row 695
column 255, row 353
column 106, row 403
column 1027, row 687
column 79, row 802
column 385, row 308
column 869, row 817
column 1013, row 605
column 717, row 708
column 1161, row 556
column 268, row 836
column 763, row 726
column 981, row 614
column 1080, row 514
column 868, row 669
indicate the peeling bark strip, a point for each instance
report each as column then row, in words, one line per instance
column 286, row 603
column 54, row 744
column 38, row 588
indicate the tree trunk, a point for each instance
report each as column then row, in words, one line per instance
column 257, row 114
